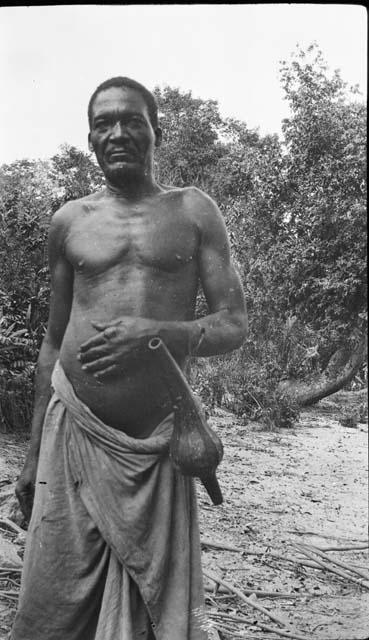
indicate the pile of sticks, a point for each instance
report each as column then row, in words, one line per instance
column 9, row 584
column 10, row 576
column 228, row 623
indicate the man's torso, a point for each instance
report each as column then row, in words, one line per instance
column 135, row 260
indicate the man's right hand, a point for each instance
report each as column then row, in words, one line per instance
column 25, row 488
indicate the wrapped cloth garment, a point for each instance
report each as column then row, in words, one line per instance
column 113, row 549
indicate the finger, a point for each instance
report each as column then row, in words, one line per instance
column 100, row 326
column 98, row 365
column 110, row 333
column 95, row 341
column 27, row 511
column 113, row 369
column 26, row 504
column 25, row 490
column 93, row 354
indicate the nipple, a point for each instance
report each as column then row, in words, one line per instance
column 181, row 259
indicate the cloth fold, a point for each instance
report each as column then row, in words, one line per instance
column 113, row 549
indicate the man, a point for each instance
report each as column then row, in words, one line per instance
column 113, row 547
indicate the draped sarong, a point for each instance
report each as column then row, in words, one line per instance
column 113, row 550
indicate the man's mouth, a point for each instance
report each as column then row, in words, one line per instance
column 122, row 155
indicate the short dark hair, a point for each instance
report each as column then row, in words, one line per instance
column 126, row 83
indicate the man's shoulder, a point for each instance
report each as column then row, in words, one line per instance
column 202, row 206
column 69, row 210
column 192, row 197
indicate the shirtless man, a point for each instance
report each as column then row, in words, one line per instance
column 125, row 266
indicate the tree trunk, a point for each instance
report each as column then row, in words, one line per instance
column 325, row 388
column 337, row 362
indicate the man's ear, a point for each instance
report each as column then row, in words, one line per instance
column 90, row 147
column 158, row 136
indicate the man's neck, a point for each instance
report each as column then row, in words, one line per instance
column 133, row 189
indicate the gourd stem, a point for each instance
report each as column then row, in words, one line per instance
column 177, row 384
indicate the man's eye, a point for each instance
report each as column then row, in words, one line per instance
column 101, row 125
column 136, row 121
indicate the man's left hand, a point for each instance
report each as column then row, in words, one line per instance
column 106, row 353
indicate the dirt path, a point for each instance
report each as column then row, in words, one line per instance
column 304, row 485
column 307, row 485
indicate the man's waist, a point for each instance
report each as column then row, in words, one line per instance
column 133, row 401
column 85, row 413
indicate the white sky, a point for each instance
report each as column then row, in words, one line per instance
column 53, row 57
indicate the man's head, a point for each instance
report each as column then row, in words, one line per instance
column 122, row 82
column 123, row 119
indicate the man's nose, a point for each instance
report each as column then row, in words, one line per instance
column 119, row 131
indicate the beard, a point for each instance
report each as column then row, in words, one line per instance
column 121, row 173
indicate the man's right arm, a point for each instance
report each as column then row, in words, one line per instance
column 61, row 273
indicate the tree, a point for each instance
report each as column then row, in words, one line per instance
column 75, row 175
column 30, row 191
column 26, row 194
column 25, row 201
column 191, row 144
column 326, row 169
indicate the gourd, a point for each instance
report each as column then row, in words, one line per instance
column 195, row 449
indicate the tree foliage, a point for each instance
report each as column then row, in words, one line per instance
column 191, row 146
column 326, row 169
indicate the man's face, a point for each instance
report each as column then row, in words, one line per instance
column 121, row 134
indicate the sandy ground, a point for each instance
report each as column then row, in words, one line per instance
column 303, row 485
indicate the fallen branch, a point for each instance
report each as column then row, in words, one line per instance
column 228, row 631
column 7, row 579
column 244, row 620
column 246, row 599
column 219, row 545
column 339, row 563
column 10, row 570
column 277, row 556
column 306, row 563
column 360, row 547
column 350, row 547
column 9, row 523
column 11, row 595
column 7, row 493
column 303, row 562
column 228, row 616
column 259, row 594
column 279, row 632
column 325, row 565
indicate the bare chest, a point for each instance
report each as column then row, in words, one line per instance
column 102, row 239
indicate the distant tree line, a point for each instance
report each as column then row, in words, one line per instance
column 296, row 213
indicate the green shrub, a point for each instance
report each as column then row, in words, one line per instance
column 246, row 386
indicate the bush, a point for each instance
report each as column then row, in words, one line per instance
column 280, row 411
column 246, row 386
column 18, row 353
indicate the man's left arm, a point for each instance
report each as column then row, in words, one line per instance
column 225, row 327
